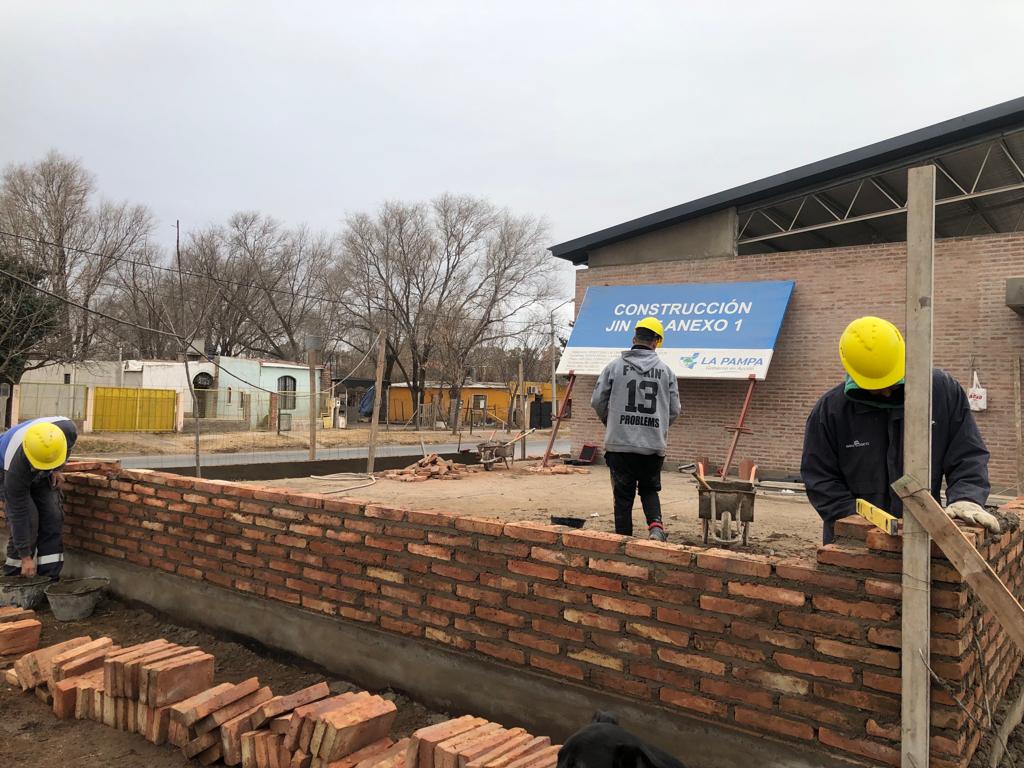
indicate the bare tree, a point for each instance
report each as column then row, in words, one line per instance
column 73, row 237
column 449, row 276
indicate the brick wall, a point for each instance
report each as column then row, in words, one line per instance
column 802, row 650
column 833, row 286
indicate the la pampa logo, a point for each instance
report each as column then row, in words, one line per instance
column 690, row 360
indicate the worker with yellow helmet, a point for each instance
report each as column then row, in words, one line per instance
column 853, row 443
column 637, row 398
column 31, row 452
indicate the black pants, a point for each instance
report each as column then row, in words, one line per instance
column 633, row 472
column 47, row 526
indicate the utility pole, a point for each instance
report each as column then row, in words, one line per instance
column 185, row 347
column 917, row 455
column 378, row 382
column 554, row 365
column 523, row 406
column 313, row 344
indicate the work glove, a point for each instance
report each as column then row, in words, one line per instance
column 970, row 512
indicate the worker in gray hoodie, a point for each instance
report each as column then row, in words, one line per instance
column 637, row 399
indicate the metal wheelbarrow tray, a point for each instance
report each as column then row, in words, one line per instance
column 726, row 510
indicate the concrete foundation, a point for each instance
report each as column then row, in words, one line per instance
column 445, row 680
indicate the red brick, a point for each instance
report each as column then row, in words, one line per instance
column 619, row 568
column 614, row 681
column 599, row 659
column 820, row 624
column 693, row 702
column 448, row 604
column 433, row 518
column 659, row 552
column 356, row 614
column 879, row 753
column 618, row 605
column 773, row 681
column 799, row 570
column 824, row 669
column 498, row 616
column 530, row 531
column 671, row 595
column 558, row 557
column 723, row 690
column 557, row 667
column 284, row 595
column 754, row 632
column 453, row 572
column 729, row 650
column 504, row 583
column 448, row 638
column 534, row 570
column 856, row 609
column 535, row 642
column 695, row 581
column 402, row 627
column 724, row 605
column 819, row 713
column 658, row 634
column 488, row 526
column 691, row 619
column 843, row 557
column 558, row 629
column 883, row 731
column 534, row 606
column 385, row 513
column 485, row 596
column 732, row 562
column 430, row 550
column 594, row 541
column 774, row 724
column 592, row 581
column 480, row 628
column 859, row 699
column 621, row 645
column 875, row 656
column 767, row 593
column 570, row 596
column 691, row 661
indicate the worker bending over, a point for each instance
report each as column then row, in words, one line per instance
column 31, row 451
column 637, row 398
column 853, row 444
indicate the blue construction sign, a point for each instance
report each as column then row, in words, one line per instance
column 712, row 330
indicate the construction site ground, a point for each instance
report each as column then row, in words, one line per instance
column 114, row 444
column 32, row 737
column 784, row 524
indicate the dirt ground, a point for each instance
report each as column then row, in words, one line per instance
column 151, row 444
column 31, row 737
column 783, row 525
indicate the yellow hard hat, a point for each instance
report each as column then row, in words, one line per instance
column 873, row 353
column 653, row 325
column 45, row 445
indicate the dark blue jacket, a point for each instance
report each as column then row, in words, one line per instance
column 19, row 480
column 853, row 449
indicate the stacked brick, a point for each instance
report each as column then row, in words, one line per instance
column 165, row 692
column 805, row 650
column 19, row 633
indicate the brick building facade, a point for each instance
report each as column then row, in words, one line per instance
column 833, row 286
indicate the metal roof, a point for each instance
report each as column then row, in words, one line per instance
column 921, row 142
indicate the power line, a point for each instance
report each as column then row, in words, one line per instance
column 137, row 326
column 228, row 281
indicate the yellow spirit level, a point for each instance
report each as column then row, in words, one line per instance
column 877, row 517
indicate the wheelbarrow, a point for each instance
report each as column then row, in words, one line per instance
column 492, row 451
column 725, row 509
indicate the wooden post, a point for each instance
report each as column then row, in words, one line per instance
column 522, row 408
column 1017, row 405
column 917, row 450
column 312, row 352
column 378, row 382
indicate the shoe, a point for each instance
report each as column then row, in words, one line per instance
column 657, row 533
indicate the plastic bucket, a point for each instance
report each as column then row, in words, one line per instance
column 22, row 591
column 75, row 598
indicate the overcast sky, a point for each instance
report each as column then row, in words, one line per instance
column 585, row 113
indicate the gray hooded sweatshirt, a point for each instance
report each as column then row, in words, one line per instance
column 636, row 398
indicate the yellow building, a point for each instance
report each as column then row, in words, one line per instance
column 486, row 402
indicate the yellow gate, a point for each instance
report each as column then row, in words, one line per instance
column 123, row 409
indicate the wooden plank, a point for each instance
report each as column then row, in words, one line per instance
column 917, row 448
column 958, row 549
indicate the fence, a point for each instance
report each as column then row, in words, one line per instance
column 123, row 409
column 38, row 399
